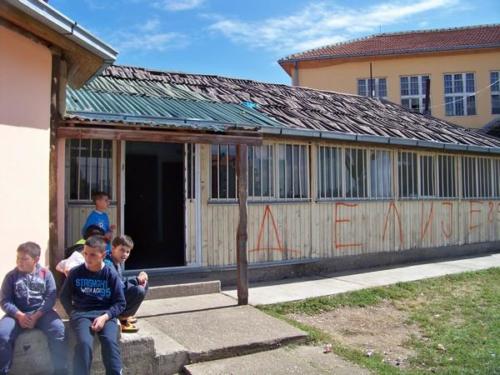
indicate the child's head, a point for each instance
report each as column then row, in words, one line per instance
column 120, row 248
column 28, row 255
column 93, row 230
column 94, row 252
column 101, row 200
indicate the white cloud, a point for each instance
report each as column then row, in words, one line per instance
column 147, row 37
column 178, row 5
column 321, row 24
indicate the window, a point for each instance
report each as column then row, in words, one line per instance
column 381, row 174
column 91, row 168
column 496, row 177
column 293, row 173
column 329, row 172
column 223, row 172
column 485, row 177
column 427, row 176
column 407, row 173
column 495, row 92
column 459, row 94
column 260, row 172
column 447, row 179
column 376, row 87
column 356, row 177
column 469, row 187
column 413, row 89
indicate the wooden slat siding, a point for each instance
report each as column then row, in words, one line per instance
column 76, row 215
column 191, row 231
column 88, row 132
column 206, row 218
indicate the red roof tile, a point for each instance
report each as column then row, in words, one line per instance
column 485, row 36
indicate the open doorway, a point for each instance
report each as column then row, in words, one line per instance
column 154, row 204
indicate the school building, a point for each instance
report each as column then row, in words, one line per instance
column 313, row 178
column 461, row 66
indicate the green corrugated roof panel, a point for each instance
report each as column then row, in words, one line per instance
column 102, row 99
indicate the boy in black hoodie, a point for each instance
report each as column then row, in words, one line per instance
column 92, row 295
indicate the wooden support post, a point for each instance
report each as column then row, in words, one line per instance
column 242, row 236
column 54, row 255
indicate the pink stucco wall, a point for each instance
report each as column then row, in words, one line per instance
column 25, row 71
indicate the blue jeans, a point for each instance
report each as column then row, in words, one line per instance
column 134, row 295
column 50, row 323
column 110, row 350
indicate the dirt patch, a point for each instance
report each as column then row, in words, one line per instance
column 380, row 329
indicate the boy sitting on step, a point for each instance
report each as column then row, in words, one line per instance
column 92, row 296
column 135, row 287
column 28, row 298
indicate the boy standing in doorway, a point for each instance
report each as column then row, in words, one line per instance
column 100, row 218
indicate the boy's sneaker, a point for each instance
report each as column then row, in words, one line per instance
column 127, row 327
column 132, row 319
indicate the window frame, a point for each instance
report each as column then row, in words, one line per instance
column 420, row 96
column 367, row 85
column 109, row 189
column 454, row 97
column 495, row 91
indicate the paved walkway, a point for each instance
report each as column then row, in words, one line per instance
column 298, row 289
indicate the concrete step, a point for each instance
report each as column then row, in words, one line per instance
column 212, row 326
column 183, row 290
column 284, row 361
column 31, row 354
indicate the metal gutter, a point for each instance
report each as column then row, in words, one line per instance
column 378, row 140
column 58, row 22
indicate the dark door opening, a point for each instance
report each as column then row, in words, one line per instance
column 154, row 204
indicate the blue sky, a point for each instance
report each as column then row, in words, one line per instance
column 246, row 38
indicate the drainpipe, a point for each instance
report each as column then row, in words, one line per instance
column 295, row 74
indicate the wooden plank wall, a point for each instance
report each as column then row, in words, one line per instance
column 286, row 231
column 76, row 215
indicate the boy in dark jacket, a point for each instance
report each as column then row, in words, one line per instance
column 92, row 295
column 28, row 298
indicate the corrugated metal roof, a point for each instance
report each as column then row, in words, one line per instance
column 133, row 105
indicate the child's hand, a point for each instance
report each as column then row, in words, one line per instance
column 24, row 320
column 112, row 227
column 98, row 323
column 142, row 278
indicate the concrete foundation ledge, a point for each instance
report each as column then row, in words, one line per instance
column 32, row 356
column 272, row 271
column 184, row 290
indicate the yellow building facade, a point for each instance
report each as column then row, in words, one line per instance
column 471, row 97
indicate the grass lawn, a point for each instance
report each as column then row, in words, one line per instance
column 458, row 318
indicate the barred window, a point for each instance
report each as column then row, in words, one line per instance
column 356, row 176
column 329, row 172
column 469, row 186
column 260, row 172
column 447, row 178
column 293, row 172
column 407, row 175
column 427, row 176
column 495, row 92
column 485, row 177
column 413, row 90
column 223, row 172
column 459, row 94
column 381, row 173
column 91, row 168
